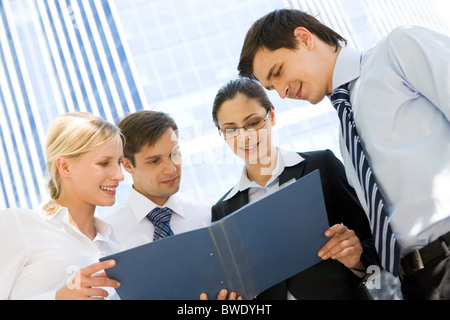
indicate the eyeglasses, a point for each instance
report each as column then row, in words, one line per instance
column 253, row 126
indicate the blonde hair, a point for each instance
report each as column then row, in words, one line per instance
column 71, row 135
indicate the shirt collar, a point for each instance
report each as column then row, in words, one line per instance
column 347, row 67
column 61, row 216
column 103, row 229
column 141, row 205
column 285, row 159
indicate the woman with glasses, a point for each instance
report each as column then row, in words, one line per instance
column 244, row 117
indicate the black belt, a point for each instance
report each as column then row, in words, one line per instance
column 419, row 258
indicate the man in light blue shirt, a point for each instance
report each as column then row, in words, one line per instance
column 400, row 97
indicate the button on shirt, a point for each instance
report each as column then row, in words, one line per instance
column 38, row 254
column 400, row 96
column 132, row 228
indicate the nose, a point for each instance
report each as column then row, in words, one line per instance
column 283, row 91
column 245, row 135
column 169, row 167
column 243, row 138
column 118, row 176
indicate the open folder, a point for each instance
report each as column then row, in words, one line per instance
column 249, row 251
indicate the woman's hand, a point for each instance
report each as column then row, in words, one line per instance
column 84, row 285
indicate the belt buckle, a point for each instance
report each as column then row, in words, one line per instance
column 418, row 260
column 415, row 259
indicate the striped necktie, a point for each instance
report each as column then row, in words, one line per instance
column 385, row 241
column 160, row 217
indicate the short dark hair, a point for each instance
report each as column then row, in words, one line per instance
column 276, row 30
column 245, row 86
column 143, row 128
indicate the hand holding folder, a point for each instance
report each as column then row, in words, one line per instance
column 256, row 247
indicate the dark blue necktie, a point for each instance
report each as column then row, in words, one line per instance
column 385, row 241
column 160, row 217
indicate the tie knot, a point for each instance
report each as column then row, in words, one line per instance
column 160, row 215
column 340, row 95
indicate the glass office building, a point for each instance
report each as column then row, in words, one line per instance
column 111, row 57
column 56, row 57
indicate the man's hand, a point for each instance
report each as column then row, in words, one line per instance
column 222, row 295
column 343, row 246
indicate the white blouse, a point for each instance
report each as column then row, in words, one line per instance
column 39, row 253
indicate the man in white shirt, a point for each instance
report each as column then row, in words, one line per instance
column 400, row 98
column 152, row 157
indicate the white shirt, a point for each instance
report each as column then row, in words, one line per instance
column 39, row 254
column 132, row 228
column 400, row 97
column 284, row 159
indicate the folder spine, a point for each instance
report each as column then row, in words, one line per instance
column 231, row 252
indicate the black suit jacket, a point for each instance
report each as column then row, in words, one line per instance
column 328, row 279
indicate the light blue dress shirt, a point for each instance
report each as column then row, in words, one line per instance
column 400, row 95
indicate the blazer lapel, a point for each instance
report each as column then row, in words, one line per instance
column 292, row 172
column 239, row 200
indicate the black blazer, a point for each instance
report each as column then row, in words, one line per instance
column 328, row 279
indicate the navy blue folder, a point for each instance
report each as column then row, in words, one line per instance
column 249, row 251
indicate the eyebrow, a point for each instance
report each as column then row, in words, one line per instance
column 158, row 156
column 155, row 157
column 245, row 119
column 270, row 74
column 106, row 157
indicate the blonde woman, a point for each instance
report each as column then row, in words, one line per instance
column 55, row 255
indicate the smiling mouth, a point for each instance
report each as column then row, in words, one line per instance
column 170, row 181
column 108, row 188
column 250, row 147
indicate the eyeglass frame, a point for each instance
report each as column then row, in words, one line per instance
column 222, row 134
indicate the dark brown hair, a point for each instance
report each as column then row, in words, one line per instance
column 143, row 128
column 244, row 86
column 276, row 30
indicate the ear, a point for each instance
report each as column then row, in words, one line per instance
column 304, row 37
column 127, row 165
column 272, row 116
column 63, row 165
